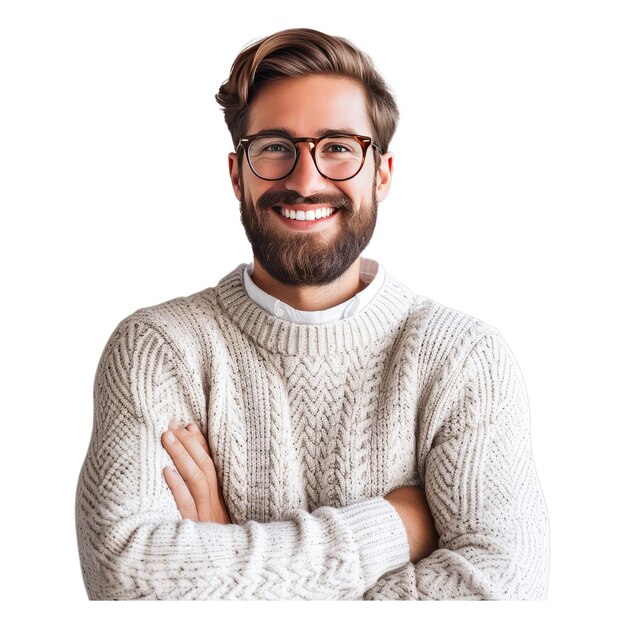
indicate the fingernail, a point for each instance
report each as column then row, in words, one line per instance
column 170, row 437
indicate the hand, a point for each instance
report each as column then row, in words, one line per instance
column 411, row 505
column 195, row 486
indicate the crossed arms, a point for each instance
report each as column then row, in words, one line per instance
column 133, row 543
column 198, row 495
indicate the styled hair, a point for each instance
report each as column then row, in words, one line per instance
column 303, row 52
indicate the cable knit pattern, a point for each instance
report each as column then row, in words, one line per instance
column 309, row 427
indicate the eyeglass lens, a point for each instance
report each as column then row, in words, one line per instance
column 336, row 157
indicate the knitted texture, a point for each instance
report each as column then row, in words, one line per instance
column 309, row 426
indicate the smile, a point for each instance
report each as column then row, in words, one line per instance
column 305, row 216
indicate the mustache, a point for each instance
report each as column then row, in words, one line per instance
column 273, row 198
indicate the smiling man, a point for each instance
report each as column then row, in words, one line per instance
column 324, row 192
column 309, row 427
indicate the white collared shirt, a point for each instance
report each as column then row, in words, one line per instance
column 370, row 272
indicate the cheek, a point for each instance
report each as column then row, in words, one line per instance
column 246, row 186
column 359, row 195
column 253, row 190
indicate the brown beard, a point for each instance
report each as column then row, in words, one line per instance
column 307, row 258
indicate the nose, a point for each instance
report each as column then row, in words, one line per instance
column 305, row 179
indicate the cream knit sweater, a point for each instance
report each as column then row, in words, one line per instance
column 309, row 427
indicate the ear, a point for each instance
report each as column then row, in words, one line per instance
column 233, row 169
column 383, row 176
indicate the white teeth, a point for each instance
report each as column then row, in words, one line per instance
column 309, row 216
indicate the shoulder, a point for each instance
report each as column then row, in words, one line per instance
column 180, row 325
column 442, row 332
column 449, row 343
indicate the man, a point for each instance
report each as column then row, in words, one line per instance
column 309, row 428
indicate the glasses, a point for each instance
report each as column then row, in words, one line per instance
column 336, row 157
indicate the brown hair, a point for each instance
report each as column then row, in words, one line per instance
column 303, row 52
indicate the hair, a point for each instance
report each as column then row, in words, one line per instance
column 304, row 52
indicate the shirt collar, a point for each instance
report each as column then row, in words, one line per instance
column 370, row 271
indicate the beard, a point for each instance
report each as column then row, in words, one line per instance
column 307, row 258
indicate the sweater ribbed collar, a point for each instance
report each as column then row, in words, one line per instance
column 381, row 317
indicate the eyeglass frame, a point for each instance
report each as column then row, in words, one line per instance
column 363, row 140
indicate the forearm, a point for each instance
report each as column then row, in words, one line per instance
column 329, row 554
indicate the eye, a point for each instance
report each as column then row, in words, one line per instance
column 276, row 147
column 337, row 147
column 340, row 146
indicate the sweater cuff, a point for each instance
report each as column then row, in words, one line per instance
column 379, row 535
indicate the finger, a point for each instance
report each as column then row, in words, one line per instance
column 204, row 462
column 195, row 478
column 195, row 430
column 182, row 496
column 197, row 449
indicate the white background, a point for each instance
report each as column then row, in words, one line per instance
column 507, row 197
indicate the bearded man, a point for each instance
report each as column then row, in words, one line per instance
column 309, row 427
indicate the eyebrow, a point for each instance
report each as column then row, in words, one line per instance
column 320, row 132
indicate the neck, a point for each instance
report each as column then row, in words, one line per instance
column 311, row 297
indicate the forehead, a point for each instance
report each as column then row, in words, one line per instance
column 306, row 105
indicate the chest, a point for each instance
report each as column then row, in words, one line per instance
column 303, row 432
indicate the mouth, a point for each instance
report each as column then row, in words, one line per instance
column 308, row 215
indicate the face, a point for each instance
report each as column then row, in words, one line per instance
column 316, row 252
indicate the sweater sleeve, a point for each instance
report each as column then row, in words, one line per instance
column 133, row 543
column 482, row 489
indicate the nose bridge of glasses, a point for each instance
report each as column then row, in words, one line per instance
column 308, row 140
column 311, row 151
